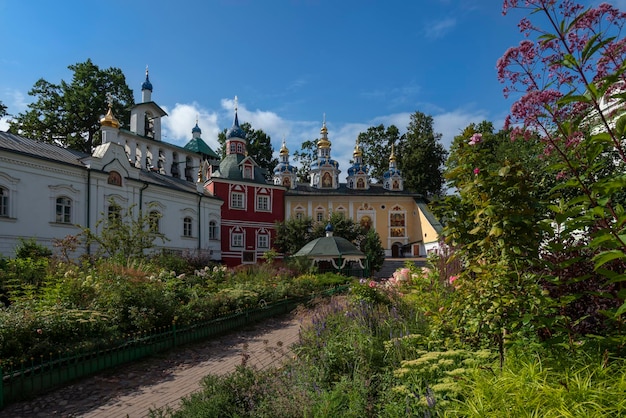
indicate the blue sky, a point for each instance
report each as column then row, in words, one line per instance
column 290, row 62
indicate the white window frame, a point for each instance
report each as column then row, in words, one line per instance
column 237, row 200
column 263, row 241
column 213, row 230
column 236, row 239
column 66, row 206
column 5, row 202
column 263, row 203
column 188, row 227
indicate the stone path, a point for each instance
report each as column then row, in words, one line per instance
column 162, row 380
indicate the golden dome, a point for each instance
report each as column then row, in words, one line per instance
column 109, row 119
column 392, row 157
column 323, row 143
column 283, row 149
column 357, row 150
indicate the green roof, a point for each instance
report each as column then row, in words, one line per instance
column 332, row 246
column 199, row 146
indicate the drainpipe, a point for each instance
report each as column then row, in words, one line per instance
column 199, row 228
column 145, row 186
column 88, row 205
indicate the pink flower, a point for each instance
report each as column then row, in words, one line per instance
column 452, row 279
column 475, row 139
column 39, row 331
column 372, row 283
column 476, row 171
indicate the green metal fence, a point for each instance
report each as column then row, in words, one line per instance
column 27, row 379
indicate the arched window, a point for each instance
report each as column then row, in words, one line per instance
column 366, row 222
column 153, row 219
column 360, row 183
column 187, row 226
column 213, row 231
column 327, row 180
column 114, row 178
column 63, row 210
column 114, row 212
column 239, row 148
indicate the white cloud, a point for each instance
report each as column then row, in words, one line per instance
column 439, row 28
column 451, row 124
column 181, row 119
column 16, row 103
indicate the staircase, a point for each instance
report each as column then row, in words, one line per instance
column 392, row 264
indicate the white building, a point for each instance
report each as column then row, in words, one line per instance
column 48, row 192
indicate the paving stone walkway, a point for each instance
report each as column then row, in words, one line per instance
column 164, row 379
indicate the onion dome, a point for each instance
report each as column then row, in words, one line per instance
column 147, row 85
column 235, row 131
column 196, row 129
column 329, row 229
column 109, row 119
column 283, row 149
column 323, row 142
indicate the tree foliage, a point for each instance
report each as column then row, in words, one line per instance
column 68, row 114
column 376, row 145
column 3, row 110
column 421, row 156
column 292, row 234
column 373, row 249
column 304, row 157
column 259, row 147
column 578, row 113
column 122, row 236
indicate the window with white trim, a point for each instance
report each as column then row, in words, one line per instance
column 154, row 221
column 188, row 226
column 319, row 216
column 63, row 210
column 236, row 239
column 213, row 231
column 263, row 203
column 4, row 202
column 263, row 241
column 236, row 200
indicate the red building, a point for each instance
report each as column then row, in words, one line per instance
column 251, row 206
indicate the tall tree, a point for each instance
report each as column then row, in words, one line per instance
column 292, row 234
column 375, row 144
column 305, row 156
column 68, row 114
column 421, row 156
column 259, row 147
column 3, row 110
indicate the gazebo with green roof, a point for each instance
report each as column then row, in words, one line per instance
column 337, row 252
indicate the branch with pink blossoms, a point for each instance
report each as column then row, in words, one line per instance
column 572, row 81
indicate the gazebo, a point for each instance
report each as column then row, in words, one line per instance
column 335, row 251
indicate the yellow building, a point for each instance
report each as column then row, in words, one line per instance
column 405, row 225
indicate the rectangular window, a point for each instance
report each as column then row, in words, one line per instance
column 263, row 203
column 263, row 241
column 236, row 200
column 187, row 227
column 236, row 239
column 4, row 202
column 248, row 257
column 299, row 216
column 212, row 230
column 319, row 216
column 64, row 210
